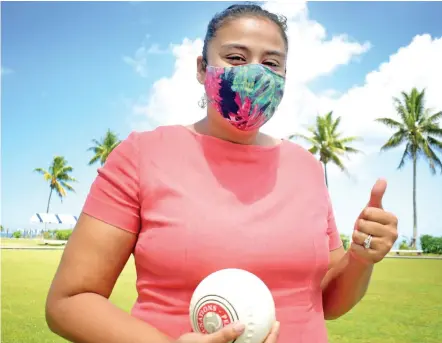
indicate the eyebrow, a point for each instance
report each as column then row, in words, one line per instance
column 244, row 48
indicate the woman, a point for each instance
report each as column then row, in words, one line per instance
column 188, row 201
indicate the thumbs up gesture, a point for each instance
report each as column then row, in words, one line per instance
column 375, row 230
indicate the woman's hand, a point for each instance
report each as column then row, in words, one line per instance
column 375, row 230
column 226, row 335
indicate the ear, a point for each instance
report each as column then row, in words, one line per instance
column 200, row 70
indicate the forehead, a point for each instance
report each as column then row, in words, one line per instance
column 251, row 32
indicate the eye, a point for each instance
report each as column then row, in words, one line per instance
column 236, row 58
column 271, row 64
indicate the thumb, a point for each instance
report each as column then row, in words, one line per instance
column 226, row 334
column 377, row 193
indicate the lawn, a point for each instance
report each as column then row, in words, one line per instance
column 404, row 303
column 27, row 242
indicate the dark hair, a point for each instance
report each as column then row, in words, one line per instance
column 238, row 11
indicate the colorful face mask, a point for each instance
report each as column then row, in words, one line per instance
column 247, row 96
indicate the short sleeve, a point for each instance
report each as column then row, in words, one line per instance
column 334, row 239
column 114, row 194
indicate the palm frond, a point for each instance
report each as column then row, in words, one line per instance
column 431, row 157
column 94, row 159
column 434, row 118
column 314, row 150
column 59, row 190
column 395, row 140
column 337, row 161
column 350, row 139
column 432, row 130
column 67, row 186
column 435, row 144
column 335, row 124
column 40, row 170
column 103, row 147
column 351, row 150
column 391, row 123
column 304, row 137
column 407, row 155
column 403, row 112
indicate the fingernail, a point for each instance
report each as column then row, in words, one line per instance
column 276, row 327
column 239, row 327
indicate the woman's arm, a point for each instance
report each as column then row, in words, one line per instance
column 77, row 306
column 345, row 283
column 348, row 278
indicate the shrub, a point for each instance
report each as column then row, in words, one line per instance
column 431, row 244
column 63, row 235
column 404, row 245
column 16, row 234
column 345, row 241
column 47, row 235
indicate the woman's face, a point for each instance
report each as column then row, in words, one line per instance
column 246, row 40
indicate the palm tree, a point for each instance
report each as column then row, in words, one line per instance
column 328, row 142
column 3, row 229
column 58, row 178
column 103, row 148
column 419, row 131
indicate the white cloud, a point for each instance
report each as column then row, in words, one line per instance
column 156, row 50
column 6, row 71
column 173, row 100
column 289, row 9
column 139, row 60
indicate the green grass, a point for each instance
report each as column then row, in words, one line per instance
column 403, row 305
column 25, row 242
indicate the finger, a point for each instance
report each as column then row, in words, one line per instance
column 226, row 334
column 377, row 193
column 367, row 254
column 274, row 333
column 378, row 215
column 359, row 238
column 371, row 228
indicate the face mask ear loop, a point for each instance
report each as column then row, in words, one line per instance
column 202, row 103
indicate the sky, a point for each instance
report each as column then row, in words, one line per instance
column 72, row 70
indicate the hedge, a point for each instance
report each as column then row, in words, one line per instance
column 431, row 244
column 63, row 235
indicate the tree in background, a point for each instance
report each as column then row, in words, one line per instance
column 3, row 229
column 346, row 241
column 327, row 142
column 104, row 147
column 420, row 131
column 58, row 177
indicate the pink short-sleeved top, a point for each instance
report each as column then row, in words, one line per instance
column 200, row 204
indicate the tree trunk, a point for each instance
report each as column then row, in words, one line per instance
column 49, row 200
column 414, row 240
column 325, row 173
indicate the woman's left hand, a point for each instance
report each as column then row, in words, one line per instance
column 375, row 230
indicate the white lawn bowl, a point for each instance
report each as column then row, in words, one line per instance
column 232, row 295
